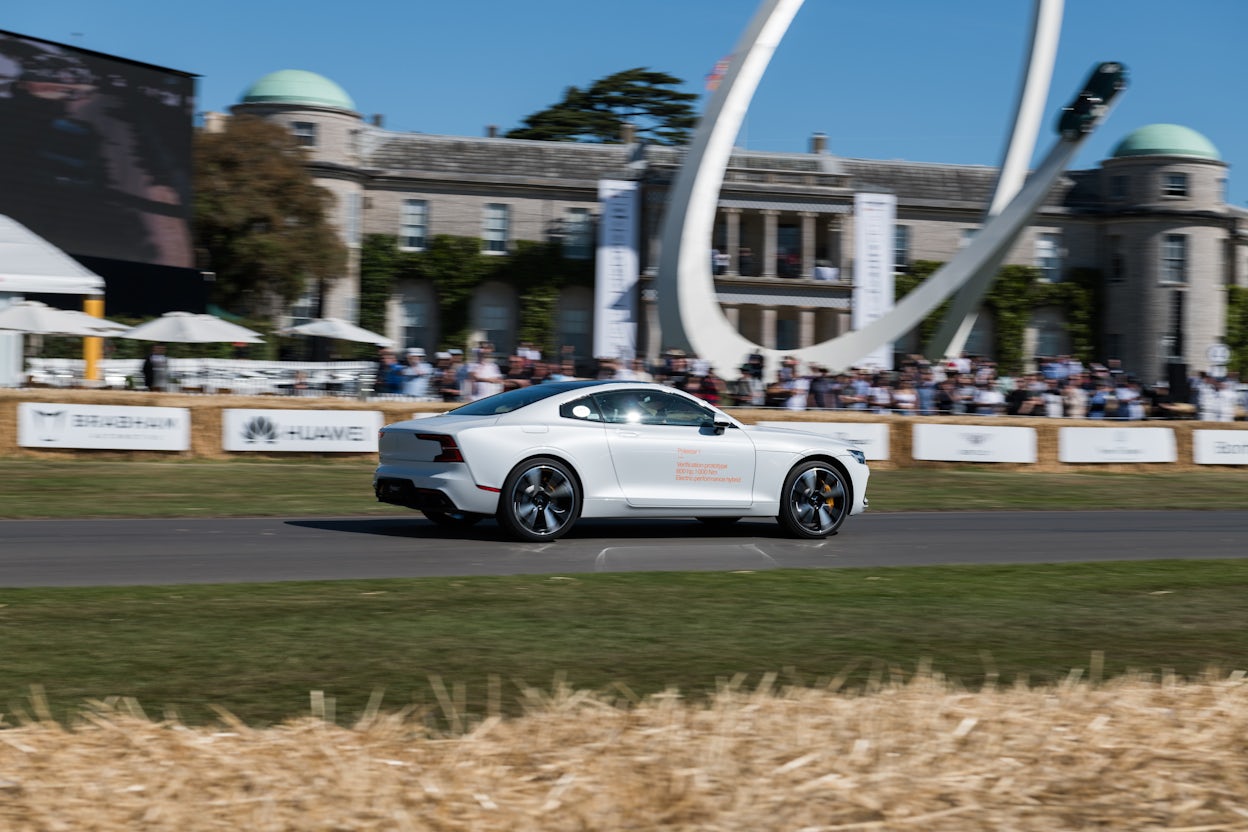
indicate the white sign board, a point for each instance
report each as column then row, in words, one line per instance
column 1220, row 447
column 1116, row 445
column 617, row 271
column 869, row 437
column 974, row 443
column 316, row 431
column 114, row 427
column 874, row 219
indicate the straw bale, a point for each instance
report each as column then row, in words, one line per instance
column 1128, row 754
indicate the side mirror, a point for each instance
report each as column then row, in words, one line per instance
column 720, row 426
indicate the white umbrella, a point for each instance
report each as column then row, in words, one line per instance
column 35, row 318
column 337, row 329
column 192, row 328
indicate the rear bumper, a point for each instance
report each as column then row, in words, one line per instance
column 442, row 490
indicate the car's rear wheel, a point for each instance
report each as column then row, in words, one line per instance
column 453, row 519
column 541, row 499
column 815, row 500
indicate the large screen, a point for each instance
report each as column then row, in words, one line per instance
column 95, row 151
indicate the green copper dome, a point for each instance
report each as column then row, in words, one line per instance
column 297, row 86
column 1166, row 140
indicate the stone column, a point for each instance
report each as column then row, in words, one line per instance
column 805, row 327
column 841, row 228
column 808, row 244
column 733, row 313
column 770, row 221
column 732, row 222
column 768, row 327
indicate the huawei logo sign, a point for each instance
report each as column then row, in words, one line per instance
column 260, row 429
column 975, row 438
column 48, row 424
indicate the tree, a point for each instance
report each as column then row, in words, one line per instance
column 261, row 221
column 640, row 97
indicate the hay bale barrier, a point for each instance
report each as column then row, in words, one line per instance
column 1132, row 753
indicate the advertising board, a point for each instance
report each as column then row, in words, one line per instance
column 1220, row 447
column 974, row 443
column 314, row 431
column 111, row 427
column 870, row 438
column 1116, row 445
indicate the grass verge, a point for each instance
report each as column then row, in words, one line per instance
column 258, row 650
column 52, row 488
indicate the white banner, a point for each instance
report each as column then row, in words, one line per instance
column 114, row 427
column 1220, row 447
column 974, row 443
column 869, row 437
column 615, row 284
column 874, row 221
column 317, row 431
column 1116, row 445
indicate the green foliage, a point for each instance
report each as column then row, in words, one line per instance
column 1016, row 294
column 639, row 96
column 456, row 267
column 260, row 220
column 1237, row 328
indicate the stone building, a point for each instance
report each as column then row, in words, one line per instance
column 1152, row 220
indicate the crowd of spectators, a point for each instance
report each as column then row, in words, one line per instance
column 1061, row 386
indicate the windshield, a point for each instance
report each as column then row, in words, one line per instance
column 518, row 398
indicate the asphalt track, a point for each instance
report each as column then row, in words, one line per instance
column 231, row 550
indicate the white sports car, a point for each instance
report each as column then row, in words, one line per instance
column 540, row 457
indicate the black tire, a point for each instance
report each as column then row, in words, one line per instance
column 718, row 522
column 540, row 501
column 453, row 519
column 814, row 501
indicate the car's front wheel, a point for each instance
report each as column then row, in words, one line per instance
column 815, row 500
column 540, row 500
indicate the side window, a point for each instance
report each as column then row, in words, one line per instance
column 647, row 407
column 582, row 410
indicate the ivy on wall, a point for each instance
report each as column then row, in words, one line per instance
column 1237, row 328
column 455, row 266
column 1016, row 294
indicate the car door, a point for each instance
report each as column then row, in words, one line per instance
column 667, row 452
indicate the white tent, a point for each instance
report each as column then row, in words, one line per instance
column 30, row 264
column 339, row 330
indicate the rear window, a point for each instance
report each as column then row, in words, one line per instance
column 516, row 399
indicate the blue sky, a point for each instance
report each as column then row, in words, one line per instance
column 920, row 80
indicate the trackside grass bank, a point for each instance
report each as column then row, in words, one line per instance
column 86, row 487
column 478, row 643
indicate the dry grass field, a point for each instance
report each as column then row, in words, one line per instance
column 1131, row 754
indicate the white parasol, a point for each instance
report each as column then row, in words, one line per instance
column 339, row 330
column 35, row 318
column 192, row 328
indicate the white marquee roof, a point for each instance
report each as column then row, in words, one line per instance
column 29, row 263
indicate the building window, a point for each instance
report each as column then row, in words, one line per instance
column 494, row 231
column 414, row 224
column 1118, row 187
column 415, row 323
column 901, row 247
column 1049, row 257
column 1174, row 259
column 1117, row 260
column 304, row 132
column 352, row 226
column 1174, row 184
column 577, row 234
column 1175, row 334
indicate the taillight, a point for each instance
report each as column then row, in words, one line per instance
column 450, row 451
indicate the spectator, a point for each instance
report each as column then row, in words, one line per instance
column 416, row 374
column 905, row 398
column 156, row 369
